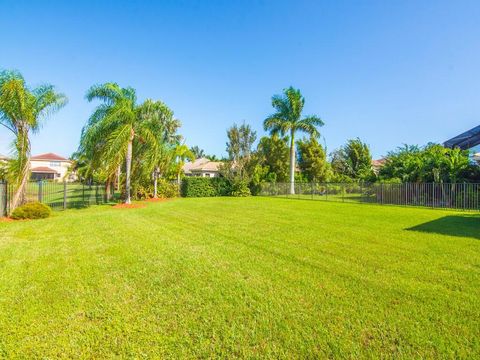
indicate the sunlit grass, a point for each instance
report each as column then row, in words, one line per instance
column 254, row 277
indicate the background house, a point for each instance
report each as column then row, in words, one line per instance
column 202, row 167
column 50, row 166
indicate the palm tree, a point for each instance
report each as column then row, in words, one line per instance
column 22, row 110
column 288, row 119
column 115, row 124
column 182, row 153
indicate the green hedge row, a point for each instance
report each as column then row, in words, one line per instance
column 205, row 187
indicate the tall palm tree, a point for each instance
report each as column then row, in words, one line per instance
column 22, row 110
column 288, row 120
column 116, row 123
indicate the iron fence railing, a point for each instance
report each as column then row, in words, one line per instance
column 57, row 195
column 464, row 196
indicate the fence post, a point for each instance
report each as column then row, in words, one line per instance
column 3, row 198
column 40, row 191
column 64, row 194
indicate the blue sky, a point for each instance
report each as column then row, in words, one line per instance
column 389, row 72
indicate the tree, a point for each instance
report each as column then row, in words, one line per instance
column 353, row 160
column 197, row 152
column 22, row 110
column 239, row 147
column 116, row 123
column 273, row 153
column 182, row 153
column 288, row 120
column 312, row 160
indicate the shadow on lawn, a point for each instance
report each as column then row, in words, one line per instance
column 453, row 225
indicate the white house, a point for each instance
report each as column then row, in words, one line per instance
column 50, row 166
column 202, row 167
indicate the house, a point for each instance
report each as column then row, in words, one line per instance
column 378, row 164
column 51, row 166
column 202, row 167
column 469, row 140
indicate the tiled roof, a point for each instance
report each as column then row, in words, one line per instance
column 202, row 164
column 43, row 169
column 49, row 156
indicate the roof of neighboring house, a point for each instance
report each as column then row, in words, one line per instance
column 4, row 157
column 378, row 162
column 43, row 169
column 465, row 140
column 49, row 157
column 202, row 164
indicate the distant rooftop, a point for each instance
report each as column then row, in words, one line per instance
column 202, row 164
column 49, row 157
column 466, row 140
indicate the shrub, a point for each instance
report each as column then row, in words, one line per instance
column 33, row 210
column 198, row 187
column 165, row 189
column 240, row 189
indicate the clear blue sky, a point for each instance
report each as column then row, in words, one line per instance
column 390, row 72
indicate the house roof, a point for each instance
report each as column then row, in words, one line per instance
column 466, row 140
column 49, row 156
column 43, row 169
column 378, row 162
column 202, row 164
column 4, row 157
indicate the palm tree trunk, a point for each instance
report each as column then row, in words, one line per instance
column 292, row 163
column 128, row 168
column 23, row 154
column 155, row 181
column 108, row 189
column 119, row 169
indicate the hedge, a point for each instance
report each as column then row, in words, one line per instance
column 205, row 187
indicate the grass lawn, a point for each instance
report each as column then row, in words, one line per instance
column 254, row 277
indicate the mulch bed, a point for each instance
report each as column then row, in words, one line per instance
column 6, row 219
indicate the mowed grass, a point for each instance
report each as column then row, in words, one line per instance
column 250, row 278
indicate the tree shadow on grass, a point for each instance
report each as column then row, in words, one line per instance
column 452, row 225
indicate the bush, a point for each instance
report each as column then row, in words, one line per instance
column 33, row 210
column 240, row 189
column 165, row 189
column 198, row 187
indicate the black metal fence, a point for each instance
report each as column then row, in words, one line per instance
column 57, row 195
column 464, row 196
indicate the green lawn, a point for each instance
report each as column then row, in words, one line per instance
column 254, row 277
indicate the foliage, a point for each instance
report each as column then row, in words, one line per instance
column 272, row 153
column 354, row 160
column 197, row 152
column 32, row 210
column 205, row 187
column 432, row 163
column 165, row 189
column 22, row 110
column 120, row 131
column 251, row 278
column 312, row 160
column 197, row 187
column 287, row 120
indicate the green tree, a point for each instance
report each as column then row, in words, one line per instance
column 312, row 160
column 116, row 124
column 288, row 120
column 273, row 153
column 22, row 110
column 198, row 153
column 353, row 160
column 181, row 154
column 239, row 147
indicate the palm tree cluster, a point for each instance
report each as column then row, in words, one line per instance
column 22, row 110
column 122, row 136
